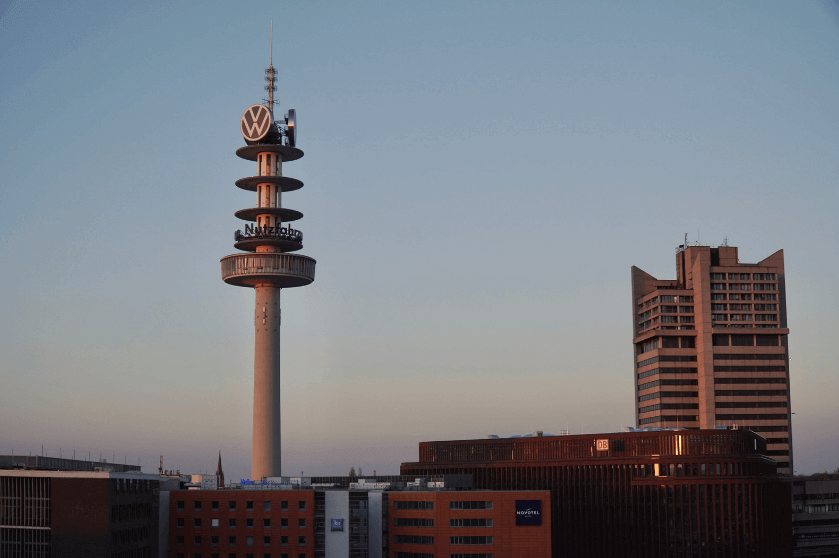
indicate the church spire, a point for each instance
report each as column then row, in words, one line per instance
column 220, row 471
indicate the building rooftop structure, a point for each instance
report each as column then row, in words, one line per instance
column 40, row 462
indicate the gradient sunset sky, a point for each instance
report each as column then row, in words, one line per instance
column 480, row 177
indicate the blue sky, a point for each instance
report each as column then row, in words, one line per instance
column 480, row 177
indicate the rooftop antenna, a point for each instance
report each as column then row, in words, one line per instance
column 725, row 241
column 270, row 76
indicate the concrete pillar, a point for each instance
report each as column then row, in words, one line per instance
column 266, row 456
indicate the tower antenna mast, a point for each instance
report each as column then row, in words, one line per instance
column 270, row 76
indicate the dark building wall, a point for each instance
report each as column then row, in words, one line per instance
column 80, row 517
column 104, row 517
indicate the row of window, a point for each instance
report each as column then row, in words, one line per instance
column 412, row 522
column 740, row 417
column 659, row 394
column 743, row 276
column 817, row 496
column 412, row 505
column 749, row 392
column 665, row 298
column 741, row 307
column 749, row 357
column 673, row 320
column 731, row 325
column 470, row 505
column 666, row 406
column 749, row 404
column 745, row 340
column 750, row 380
column 750, row 368
column 744, row 287
column 197, row 505
column 671, row 370
column 424, row 539
column 231, row 522
column 764, row 297
column 668, row 383
column 197, row 540
column 700, row 469
column 669, row 342
column 669, row 418
column 667, row 358
column 131, row 486
column 128, row 512
column 130, row 535
column 470, row 522
column 234, row 555
column 744, row 317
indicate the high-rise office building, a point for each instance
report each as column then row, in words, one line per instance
column 711, row 346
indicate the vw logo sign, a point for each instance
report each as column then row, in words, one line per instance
column 255, row 122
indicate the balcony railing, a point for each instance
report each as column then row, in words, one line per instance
column 283, row 270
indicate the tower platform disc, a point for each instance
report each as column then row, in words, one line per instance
column 284, row 213
column 263, row 268
column 251, row 244
column 250, row 152
column 287, row 184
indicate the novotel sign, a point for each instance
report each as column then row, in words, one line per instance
column 528, row 512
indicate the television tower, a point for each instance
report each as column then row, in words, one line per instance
column 267, row 264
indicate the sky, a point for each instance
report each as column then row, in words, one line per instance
column 479, row 179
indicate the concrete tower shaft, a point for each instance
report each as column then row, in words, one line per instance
column 267, row 454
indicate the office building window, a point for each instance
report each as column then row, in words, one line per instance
column 470, row 540
column 413, row 539
column 470, row 505
column 412, row 505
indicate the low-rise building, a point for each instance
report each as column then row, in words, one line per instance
column 63, row 514
column 815, row 521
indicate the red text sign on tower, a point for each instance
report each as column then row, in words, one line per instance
column 602, row 445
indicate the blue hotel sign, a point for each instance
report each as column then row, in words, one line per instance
column 337, row 524
column 528, row 512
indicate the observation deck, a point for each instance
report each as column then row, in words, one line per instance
column 260, row 268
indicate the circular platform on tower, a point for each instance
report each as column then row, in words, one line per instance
column 250, row 152
column 251, row 244
column 265, row 268
column 286, row 184
column 285, row 214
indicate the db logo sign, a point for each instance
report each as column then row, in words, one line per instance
column 602, row 445
column 255, row 122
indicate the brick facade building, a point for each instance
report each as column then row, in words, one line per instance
column 664, row 493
